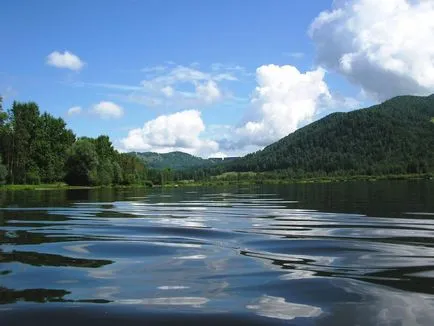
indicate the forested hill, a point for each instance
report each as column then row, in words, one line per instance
column 394, row 137
column 173, row 160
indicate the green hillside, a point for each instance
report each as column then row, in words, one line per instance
column 394, row 137
column 173, row 160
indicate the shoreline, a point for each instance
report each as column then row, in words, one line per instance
column 62, row 186
column 314, row 180
column 220, row 182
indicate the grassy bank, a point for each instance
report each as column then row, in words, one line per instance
column 224, row 180
column 51, row 186
column 260, row 179
column 60, row 186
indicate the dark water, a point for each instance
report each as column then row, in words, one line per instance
column 331, row 254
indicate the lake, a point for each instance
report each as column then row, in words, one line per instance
column 314, row 254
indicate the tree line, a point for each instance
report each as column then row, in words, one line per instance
column 39, row 148
column 395, row 137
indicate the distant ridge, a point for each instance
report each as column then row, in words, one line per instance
column 394, row 137
column 174, row 160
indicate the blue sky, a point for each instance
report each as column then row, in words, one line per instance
column 209, row 77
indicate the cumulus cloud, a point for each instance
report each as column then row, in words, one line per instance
column 386, row 47
column 208, row 91
column 75, row 110
column 284, row 99
column 174, row 132
column 108, row 110
column 66, row 60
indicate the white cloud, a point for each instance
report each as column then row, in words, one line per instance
column 107, row 110
column 119, row 87
column 218, row 66
column 341, row 103
column 283, row 100
column 75, row 110
column 182, row 87
column 167, row 91
column 230, row 72
column 208, row 91
column 176, row 75
column 225, row 76
column 177, row 87
column 386, row 47
column 218, row 155
column 65, row 60
column 229, row 142
column 174, row 132
column 183, row 74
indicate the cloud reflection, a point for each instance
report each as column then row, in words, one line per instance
column 196, row 302
column 276, row 307
column 79, row 249
column 172, row 287
column 382, row 306
column 192, row 257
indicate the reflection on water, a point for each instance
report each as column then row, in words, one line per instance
column 275, row 307
column 39, row 259
column 172, row 301
column 335, row 254
column 9, row 296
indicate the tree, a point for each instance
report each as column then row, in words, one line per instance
column 106, row 158
column 104, row 148
column 39, row 148
column 134, row 170
column 3, row 115
column 4, row 145
column 52, row 141
column 25, row 123
column 166, row 176
column 82, row 163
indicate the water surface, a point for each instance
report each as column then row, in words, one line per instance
column 326, row 254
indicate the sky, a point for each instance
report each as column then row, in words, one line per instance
column 210, row 78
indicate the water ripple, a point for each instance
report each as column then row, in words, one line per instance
column 219, row 252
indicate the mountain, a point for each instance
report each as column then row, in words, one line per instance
column 394, row 137
column 173, row 160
